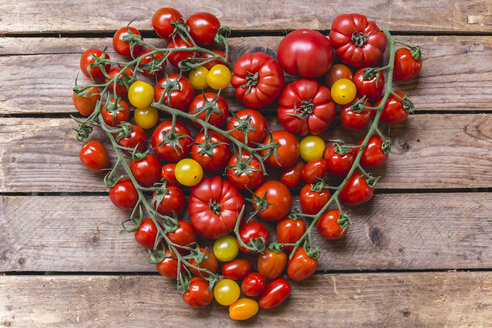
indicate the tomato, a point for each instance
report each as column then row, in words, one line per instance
column 198, row 294
column 122, row 47
column 176, row 57
column 184, row 235
column 289, row 231
column 395, row 109
column 287, row 150
column 258, row 79
column 243, row 309
column 275, row 293
column 140, row 94
column 315, row 170
column 198, row 78
column 271, row 263
column 374, row 154
column 306, row 53
column 253, row 285
column 188, row 172
column 354, row 120
column 146, row 234
column 278, row 197
column 371, row 85
column 219, row 77
column 337, row 72
column 356, row 191
column 122, row 82
column 311, row 148
column 292, row 177
column 87, row 59
column 253, row 117
column 212, row 63
column 168, row 266
column 212, row 156
column 214, row 207
column 251, row 232
column 146, row 118
column 87, row 105
column 312, row 199
column 329, row 225
column 146, row 171
column 161, row 22
column 205, row 100
column 407, row 64
column 209, row 262
column 338, row 165
column 246, row 174
column 203, row 28
column 237, row 269
column 114, row 115
column 168, row 173
column 123, row 194
column 149, row 64
column 172, row 203
column 226, row 292
column 301, row 266
column 181, row 94
column 357, row 42
column 175, row 148
column 226, row 248
column 94, row 156
column 137, row 138
column 343, row 91
column 306, row 106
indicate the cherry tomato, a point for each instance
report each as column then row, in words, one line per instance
column 122, row 82
column 337, row 72
column 205, row 100
column 278, row 196
column 184, row 235
column 226, row 292
column 122, row 47
column 253, row 230
column 301, row 266
column 356, row 191
column 395, row 110
column 198, row 294
column 289, row 231
column 198, row 78
column 87, row 105
column 140, row 94
column 168, row 266
column 203, row 28
column 312, row 200
column 253, row 285
column 226, row 248
column 87, row 59
column 212, row 63
column 149, row 63
column 146, row 118
column 373, row 155
column 212, row 156
column 168, row 173
column 271, row 263
column 219, row 77
column 123, row 194
column 137, row 138
column 275, row 293
column 287, row 151
column 236, row 270
column 343, row 91
column 243, row 309
column 188, row 172
column 371, row 85
column 146, row 233
column 114, row 115
column 172, row 203
column 329, row 227
column 408, row 63
column 209, row 262
column 94, row 156
column 354, row 120
column 292, row 177
column 161, row 22
column 176, row 57
column 338, row 165
column 311, row 148
column 146, row 171
column 246, row 175
column 180, row 98
column 257, row 121
column 175, row 148
column 315, row 170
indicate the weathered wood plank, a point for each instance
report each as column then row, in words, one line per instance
column 439, row 15
column 395, row 232
column 454, row 299
column 44, row 85
column 429, row 151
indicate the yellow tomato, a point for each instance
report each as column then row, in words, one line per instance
column 188, row 172
column 198, row 78
column 219, row 77
column 243, row 309
column 226, row 248
column 146, row 118
column 141, row 94
column 226, row 292
column 312, row 147
column 343, row 91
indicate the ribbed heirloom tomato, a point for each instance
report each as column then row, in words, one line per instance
column 87, row 105
column 287, row 150
column 271, row 263
column 163, row 143
column 278, row 200
column 198, row 294
column 253, row 117
column 181, row 95
column 94, row 156
column 252, row 231
column 212, row 156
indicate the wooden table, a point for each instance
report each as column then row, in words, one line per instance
column 418, row 255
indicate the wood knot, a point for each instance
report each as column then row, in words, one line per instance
column 406, row 313
column 405, row 146
column 377, row 237
column 21, row 261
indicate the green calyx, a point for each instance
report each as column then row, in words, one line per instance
column 359, row 39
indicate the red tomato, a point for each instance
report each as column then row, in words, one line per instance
column 198, row 294
column 356, row 191
column 292, row 177
column 255, row 118
column 253, row 285
column 122, row 82
column 278, row 195
column 373, row 155
column 301, row 266
column 167, row 172
column 211, row 157
column 329, row 227
column 315, row 170
column 137, row 138
column 172, row 203
column 209, row 262
column 253, row 230
column 370, row 86
column 313, row 201
column 146, row 171
column 124, row 195
column 176, row 57
column 163, row 146
column 204, row 100
column 337, row 72
column 94, row 156
column 287, row 151
column 275, row 293
column 87, row 59
column 395, row 110
column 203, row 28
column 180, row 98
column 113, row 116
column 407, row 64
column 357, row 42
column 152, row 70
column 184, row 235
column 236, row 269
column 214, row 207
column 122, row 47
column 306, row 53
column 306, row 106
column 338, row 165
column 168, row 266
column 248, row 174
column 271, row 263
column 211, row 64
column 161, row 22
column 354, row 120
column 87, row 105
column 146, row 234
column 258, row 79
column 289, row 231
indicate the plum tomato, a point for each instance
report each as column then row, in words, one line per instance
column 236, row 269
column 331, row 226
column 243, row 309
column 287, row 150
column 146, row 171
column 253, row 285
column 198, row 295
column 315, row 170
column 188, row 172
column 94, row 156
column 278, row 200
column 124, row 194
column 356, row 191
column 289, row 231
column 291, row 177
column 275, row 293
column 271, row 263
